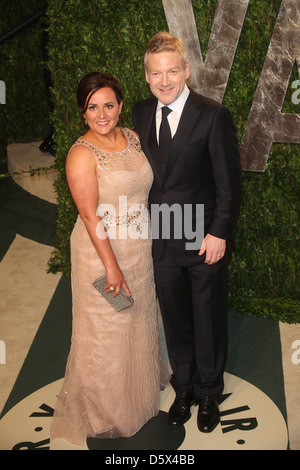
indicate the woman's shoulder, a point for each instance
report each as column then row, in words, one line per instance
column 79, row 146
column 130, row 133
column 80, row 153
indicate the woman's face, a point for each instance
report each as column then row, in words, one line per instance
column 103, row 111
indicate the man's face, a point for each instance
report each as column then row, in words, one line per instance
column 166, row 75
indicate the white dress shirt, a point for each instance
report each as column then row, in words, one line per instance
column 174, row 117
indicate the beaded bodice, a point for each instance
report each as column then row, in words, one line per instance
column 124, row 180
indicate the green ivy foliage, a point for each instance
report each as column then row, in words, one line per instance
column 23, row 117
column 264, row 277
column 107, row 36
column 263, row 270
column 110, row 36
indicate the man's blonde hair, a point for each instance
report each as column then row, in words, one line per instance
column 162, row 42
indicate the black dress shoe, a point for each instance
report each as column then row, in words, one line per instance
column 180, row 411
column 208, row 414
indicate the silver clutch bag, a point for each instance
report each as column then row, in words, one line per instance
column 119, row 302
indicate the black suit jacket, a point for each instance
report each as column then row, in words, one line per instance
column 203, row 168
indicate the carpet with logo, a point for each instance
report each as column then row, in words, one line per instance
column 260, row 404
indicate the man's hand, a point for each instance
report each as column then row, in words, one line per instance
column 214, row 247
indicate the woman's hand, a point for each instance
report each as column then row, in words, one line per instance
column 115, row 281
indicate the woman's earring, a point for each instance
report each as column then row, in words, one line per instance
column 85, row 122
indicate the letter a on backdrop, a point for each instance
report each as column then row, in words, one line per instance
column 266, row 124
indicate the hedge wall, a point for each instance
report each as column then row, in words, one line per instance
column 111, row 35
column 105, row 35
column 24, row 116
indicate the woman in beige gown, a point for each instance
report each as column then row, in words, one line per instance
column 114, row 371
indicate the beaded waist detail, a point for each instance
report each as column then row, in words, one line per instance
column 130, row 224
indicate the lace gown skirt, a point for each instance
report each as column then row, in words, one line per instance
column 114, row 369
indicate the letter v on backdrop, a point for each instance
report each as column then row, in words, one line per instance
column 266, row 124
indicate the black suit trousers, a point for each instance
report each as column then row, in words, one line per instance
column 193, row 301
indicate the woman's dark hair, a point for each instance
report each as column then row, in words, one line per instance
column 91, row 83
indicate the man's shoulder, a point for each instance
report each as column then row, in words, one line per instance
column 199, row 99
column 145, row 103
column 208, row 105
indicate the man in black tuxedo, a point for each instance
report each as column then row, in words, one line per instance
column 199, row 166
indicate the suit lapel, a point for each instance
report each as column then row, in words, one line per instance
column 148, row 118
column 187, row 121
column 186, row 124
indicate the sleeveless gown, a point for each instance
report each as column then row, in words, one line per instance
column 115, row 369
